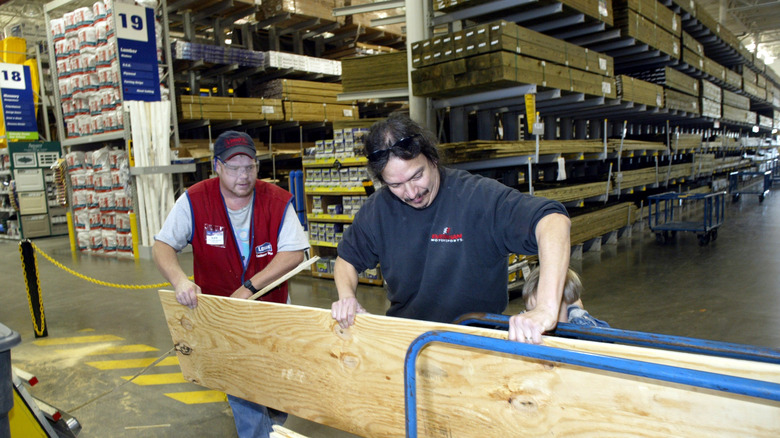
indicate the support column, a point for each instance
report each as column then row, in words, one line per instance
column 595, row 129
column 417, row 30
column 566, row 128
column 485, row 125
column 581, row 129
column 549, row 128
column 510, row 123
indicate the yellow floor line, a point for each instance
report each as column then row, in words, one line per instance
column 132, row 363
column 76, row 340
column 157, row 379
column 196, row 397
column 122, row 349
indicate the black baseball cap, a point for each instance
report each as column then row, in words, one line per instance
column 232, row 143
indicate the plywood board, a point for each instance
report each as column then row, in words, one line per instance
column 298, row 360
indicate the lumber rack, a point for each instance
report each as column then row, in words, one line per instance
column 700, row 379
column 750, row 183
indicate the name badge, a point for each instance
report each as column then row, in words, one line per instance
column 215, row 235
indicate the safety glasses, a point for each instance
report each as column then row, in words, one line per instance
column 404, row 143
column 238, row 170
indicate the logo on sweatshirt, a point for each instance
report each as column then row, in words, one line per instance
column 447, row 236
column 264, row 250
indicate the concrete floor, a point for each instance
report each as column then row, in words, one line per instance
column 727, row 291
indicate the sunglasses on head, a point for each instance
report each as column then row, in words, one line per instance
column 404, row 143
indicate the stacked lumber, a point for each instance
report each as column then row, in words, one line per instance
column 357, row 48
column 739, row 115
column 692, row 58
column 653, row 11
column 672, row 79
column 711, row 99
column 675, row 172
column 318, row 112
column 229, row 108
column 636, row 178
column 597, row 223
column 722, row 143
column 498, row 70
column 614, row 145
column 635, row 25
column 754, row 90
column 714, row 69
column 639, row 91
column 601, row 10
column 692, row 44
column 649, row 175
column 733, row 78
column 508, row 37
column 765, row 122
column 728, row 164
column 246, row 108
column 576, row 192
column 375, row 72
column 486, row 149
column 301, row 91
column 675, row 100
column 735, row 100
column 681, row 142
column 703, row 165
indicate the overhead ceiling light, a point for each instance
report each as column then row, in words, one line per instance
column 31, row 10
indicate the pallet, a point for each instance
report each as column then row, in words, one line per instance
column 297, row 359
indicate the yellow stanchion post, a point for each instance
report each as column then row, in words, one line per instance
column 134, row 234
column 32, row 283
column 71, row 232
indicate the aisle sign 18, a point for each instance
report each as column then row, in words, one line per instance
column 12, row 76
column 131, row 22
column 16, row 95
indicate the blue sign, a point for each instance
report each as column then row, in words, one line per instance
column 18, row 104
column 137, row 52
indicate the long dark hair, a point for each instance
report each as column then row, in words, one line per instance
column 383, row 135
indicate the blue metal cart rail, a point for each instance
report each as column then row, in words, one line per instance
column 750, row 183
column 628, row 337
column 668, row 373
column 667, row 215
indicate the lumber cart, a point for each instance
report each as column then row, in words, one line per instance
column 700, row 213
column 750, row 183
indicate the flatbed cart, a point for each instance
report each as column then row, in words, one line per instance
column 672, row 212
column 750, row 183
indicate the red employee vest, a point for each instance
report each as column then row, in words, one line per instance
column 218, row 269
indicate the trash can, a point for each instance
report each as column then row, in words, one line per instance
column 8, row 339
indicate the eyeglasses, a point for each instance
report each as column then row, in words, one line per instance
column 238, row 170
column 403, row 143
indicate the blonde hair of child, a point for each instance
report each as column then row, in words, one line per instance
column 572, row 289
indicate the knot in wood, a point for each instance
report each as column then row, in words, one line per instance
column 183, row 349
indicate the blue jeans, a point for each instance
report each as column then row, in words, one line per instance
column 254, row 420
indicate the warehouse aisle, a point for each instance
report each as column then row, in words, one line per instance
column 100, row 336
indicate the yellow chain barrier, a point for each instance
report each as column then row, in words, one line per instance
column 92, row 280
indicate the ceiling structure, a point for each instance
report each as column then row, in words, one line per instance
column 755, row 22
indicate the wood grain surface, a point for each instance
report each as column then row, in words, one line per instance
column 297, row 359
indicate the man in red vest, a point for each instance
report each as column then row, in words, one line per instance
column 244, row 235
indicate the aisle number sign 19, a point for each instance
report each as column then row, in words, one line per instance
column 16, row 95
column 137, row 52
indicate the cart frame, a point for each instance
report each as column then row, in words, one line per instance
column 752, row 187
column 667, row 222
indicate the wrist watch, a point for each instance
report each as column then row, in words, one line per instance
column 248, row 285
